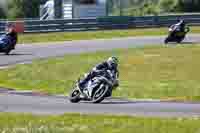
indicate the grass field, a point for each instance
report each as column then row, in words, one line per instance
column 151, row 72
column 72, row 123
column 87, row 35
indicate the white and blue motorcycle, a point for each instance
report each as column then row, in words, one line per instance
column 96, row 89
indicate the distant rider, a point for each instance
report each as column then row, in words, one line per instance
column 9, row 38
column 179, row 27
column 110, row 64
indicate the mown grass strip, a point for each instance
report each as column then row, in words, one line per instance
column 152, row 72
column 76, row 123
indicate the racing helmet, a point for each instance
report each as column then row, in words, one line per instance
column 113, row 61
column 10, row 28
column 182, row 21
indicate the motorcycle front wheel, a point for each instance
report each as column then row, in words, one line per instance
column 74, row 97
column 167, row 39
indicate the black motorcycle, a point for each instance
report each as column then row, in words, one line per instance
column 176, row 35
column 95, row 90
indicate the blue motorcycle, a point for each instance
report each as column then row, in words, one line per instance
column 95, row 90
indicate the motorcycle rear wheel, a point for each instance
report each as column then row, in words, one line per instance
column 180, row 40
column 7, row 52
column 100, row 94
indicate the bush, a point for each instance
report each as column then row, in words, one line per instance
column 2, row 13
column 168, row 6
column 23, row 9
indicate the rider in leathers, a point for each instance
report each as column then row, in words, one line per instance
column 10, row 38
column 179, row 27
column 110, row 64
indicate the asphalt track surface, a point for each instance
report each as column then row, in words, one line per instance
column 26, row 53
column 11, row 101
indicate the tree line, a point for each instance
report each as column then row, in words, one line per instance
column 16, row 9
column 152, row 7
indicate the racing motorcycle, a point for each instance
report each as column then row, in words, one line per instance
column 95, row 90
column 176, row 35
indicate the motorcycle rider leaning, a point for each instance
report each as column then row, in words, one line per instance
column 9, row 38
column 110, row 64
column 179, row 27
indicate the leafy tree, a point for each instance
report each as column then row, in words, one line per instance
column 150, row 9
column 23, row 8
column 189, row 5
column 167, row 6
column 2, row 13
column 30, row 8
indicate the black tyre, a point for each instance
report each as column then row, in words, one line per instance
column 7, row 52
column 109, row 93
column 75, row 96
column 180, row 40
column 100, row 93
column 166, row 40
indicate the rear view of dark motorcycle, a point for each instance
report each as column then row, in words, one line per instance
column 176, row 35
column 95, row 90
column 9, row 39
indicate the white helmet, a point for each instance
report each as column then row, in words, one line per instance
column 112, row 61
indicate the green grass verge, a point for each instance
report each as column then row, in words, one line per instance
column 87, row 35
column 150, row 72
column 72, row 123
